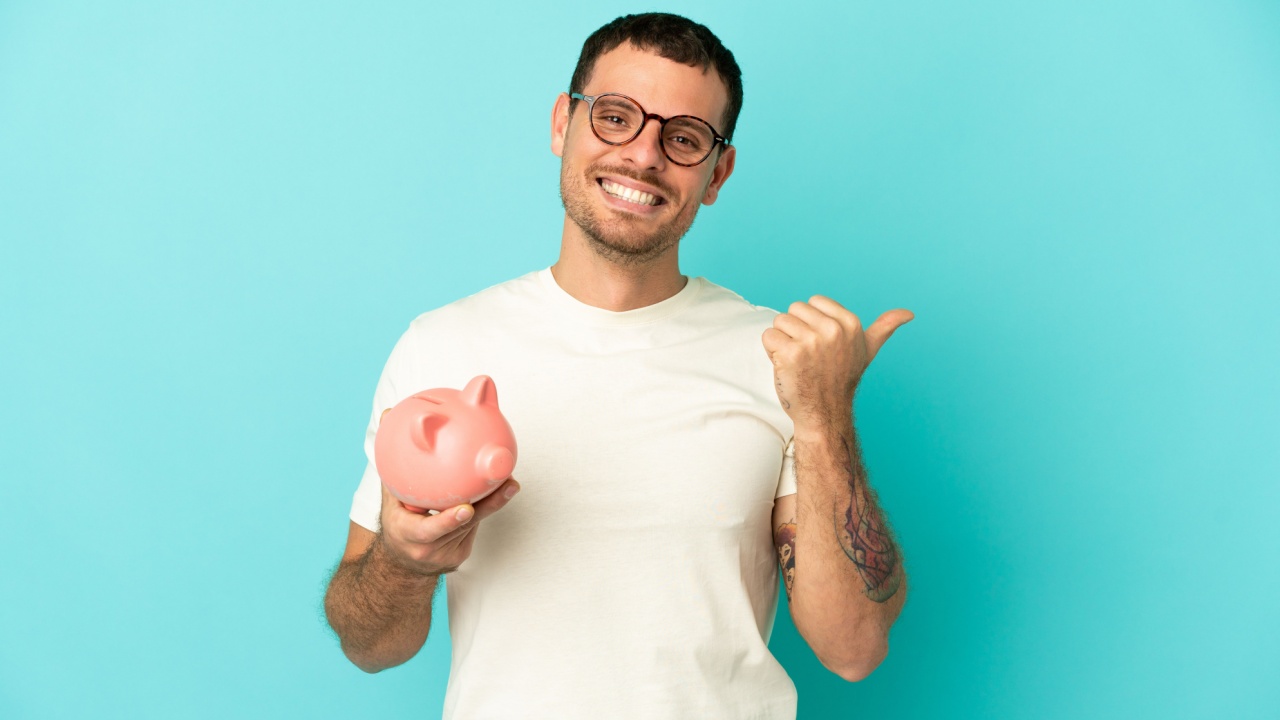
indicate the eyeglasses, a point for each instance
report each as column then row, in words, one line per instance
column 617, row 120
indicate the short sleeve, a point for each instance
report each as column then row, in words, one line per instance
column 366, row 505
column 787, row 478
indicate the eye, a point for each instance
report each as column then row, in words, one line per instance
column 686, row 141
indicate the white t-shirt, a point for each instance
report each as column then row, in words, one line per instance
column 635, row 574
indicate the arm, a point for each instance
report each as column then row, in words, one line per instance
column 846, row 585
column 379, row 599
column 380, row 611
column 844, row 575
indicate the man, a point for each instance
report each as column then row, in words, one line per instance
column 657, row 418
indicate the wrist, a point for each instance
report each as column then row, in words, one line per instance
column 396, row 566
column 827, row 431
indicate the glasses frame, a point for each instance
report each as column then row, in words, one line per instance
column 644, row 120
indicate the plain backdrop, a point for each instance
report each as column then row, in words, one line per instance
column 217, row 218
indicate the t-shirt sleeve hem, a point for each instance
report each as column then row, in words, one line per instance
column 365, row 516
column 787, row 478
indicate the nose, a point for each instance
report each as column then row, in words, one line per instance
column 645, row 151
column 495, row 462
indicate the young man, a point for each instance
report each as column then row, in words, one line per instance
column 676, row 443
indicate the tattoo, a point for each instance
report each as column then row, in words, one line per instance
column 865, row 536
column 785, row 540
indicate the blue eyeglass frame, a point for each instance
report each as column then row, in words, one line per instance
column 645, row 117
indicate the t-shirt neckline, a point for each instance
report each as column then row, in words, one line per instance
column 658, row 311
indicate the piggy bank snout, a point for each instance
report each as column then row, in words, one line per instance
column 495, row 462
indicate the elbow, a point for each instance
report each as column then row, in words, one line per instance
column 862, row 664
column 377, row 657
column 369, row 668
column 858, row 673
column 855, row 655
column 369, row 658
column 366, row 663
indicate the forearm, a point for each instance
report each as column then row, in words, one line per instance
column 849, row 581
column 380, row 611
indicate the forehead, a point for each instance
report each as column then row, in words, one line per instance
column 662, row 86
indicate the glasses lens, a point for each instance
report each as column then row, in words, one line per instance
column 688, row 140
column 615, row 118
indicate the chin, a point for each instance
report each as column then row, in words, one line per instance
column 625, row 251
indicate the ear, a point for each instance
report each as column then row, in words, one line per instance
column 424, row 430
column 721, row 173
column 480, row 391
column 560, row 123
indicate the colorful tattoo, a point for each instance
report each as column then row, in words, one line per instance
column 865, row 537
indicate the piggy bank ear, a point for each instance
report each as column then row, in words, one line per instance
column 480, row 391
column 424, row 429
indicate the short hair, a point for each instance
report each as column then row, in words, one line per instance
column 670, row 36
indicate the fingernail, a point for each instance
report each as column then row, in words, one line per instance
column 464, row 514
column 511, row 492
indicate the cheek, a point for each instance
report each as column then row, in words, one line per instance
column 699, row 194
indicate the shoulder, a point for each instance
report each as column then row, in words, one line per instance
column 439, row 341
column 470, row 312
column 733, row 310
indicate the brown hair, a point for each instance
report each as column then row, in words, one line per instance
column 670, row 36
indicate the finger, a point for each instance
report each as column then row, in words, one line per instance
column 884, row 326
column 384, row 414
column 774, row 340
column 826, row 324
column 807, row 313
column 422, row 528
column 794, row 327
column 496, row 500
column 835, row 310
column 461, row 529
column 434, row 528
column 485, row 507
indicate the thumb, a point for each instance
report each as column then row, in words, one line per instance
column 884, row 326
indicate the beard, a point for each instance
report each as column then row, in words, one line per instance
column 617, row 237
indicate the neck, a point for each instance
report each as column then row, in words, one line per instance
column 602, row 282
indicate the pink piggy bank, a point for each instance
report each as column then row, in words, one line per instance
column 443, row 447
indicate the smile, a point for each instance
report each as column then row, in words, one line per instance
column 628, row 194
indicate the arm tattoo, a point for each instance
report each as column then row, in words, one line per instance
column 785, row 540
column 865, row 536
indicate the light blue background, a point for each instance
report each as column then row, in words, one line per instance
column 215, row 220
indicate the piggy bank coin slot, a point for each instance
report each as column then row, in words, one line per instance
column 433, row 401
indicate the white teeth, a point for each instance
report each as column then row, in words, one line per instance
column 629, row 194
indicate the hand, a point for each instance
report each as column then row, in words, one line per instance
column 436, row 544
column 819, row 352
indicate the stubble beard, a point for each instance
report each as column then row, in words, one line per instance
column 618, row 239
